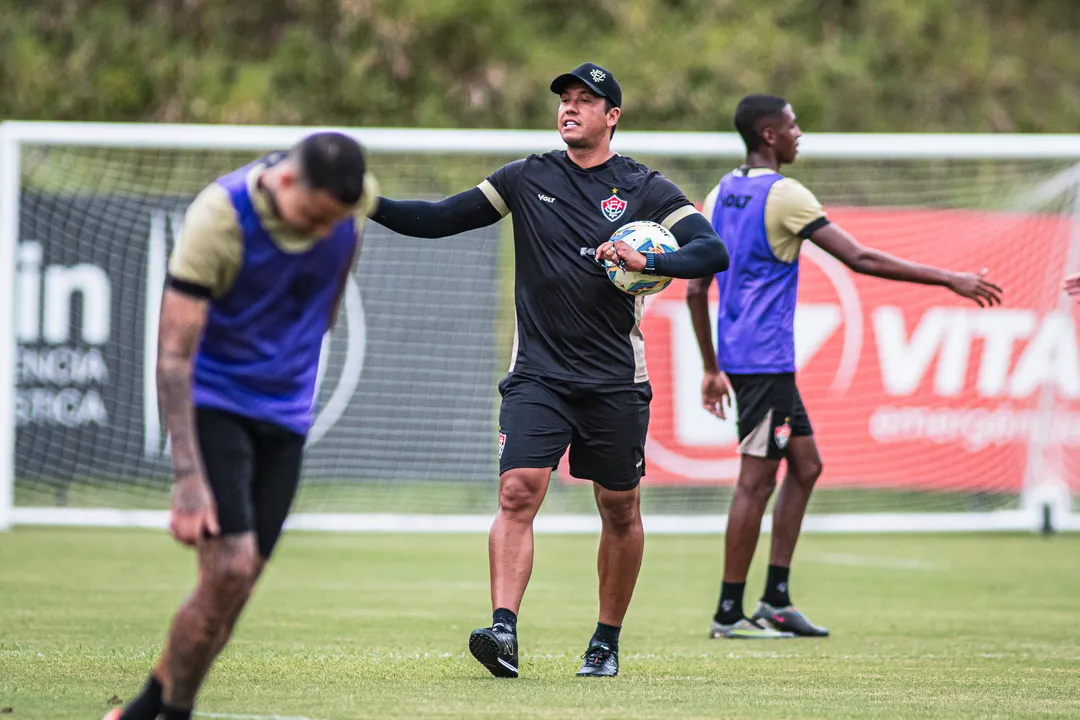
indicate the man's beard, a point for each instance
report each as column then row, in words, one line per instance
column 581, row 143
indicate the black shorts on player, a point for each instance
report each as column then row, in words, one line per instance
column 253, row 469
column 578, row 378
column 771, row 412
column 603, row 425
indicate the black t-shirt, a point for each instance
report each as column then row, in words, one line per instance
column 572, row 322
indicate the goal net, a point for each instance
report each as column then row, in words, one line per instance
column 931, row 413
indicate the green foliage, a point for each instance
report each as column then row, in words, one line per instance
column 874, row 65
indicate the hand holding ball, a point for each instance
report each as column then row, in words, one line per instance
column 624, row 256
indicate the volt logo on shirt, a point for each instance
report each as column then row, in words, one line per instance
column 737, row 201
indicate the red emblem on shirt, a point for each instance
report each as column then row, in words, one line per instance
column 613, row 207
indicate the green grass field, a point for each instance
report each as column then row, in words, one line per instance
column 375, row 626
column 472, row 497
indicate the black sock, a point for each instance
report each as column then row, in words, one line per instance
column 729, row 609
column 171, row 713
column 147, row 705
column 502, row 616
column 776, row 587
column 607, row 634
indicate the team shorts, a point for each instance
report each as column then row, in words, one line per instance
column 603, row 425
column 771, row 412
column 253, row 468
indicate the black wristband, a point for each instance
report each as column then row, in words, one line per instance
column 650, row 263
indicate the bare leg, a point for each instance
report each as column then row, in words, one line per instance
column 757, row 480
column 229, row 624
column 228, row 568
column 235, row 612
column 804, row 468
column 622, row 544
column 510, row 543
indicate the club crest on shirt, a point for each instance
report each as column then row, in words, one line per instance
column 782, row 434
column 614, row 206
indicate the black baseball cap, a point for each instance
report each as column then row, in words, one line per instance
column 596, row 78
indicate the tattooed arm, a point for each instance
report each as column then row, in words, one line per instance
column 183, row 316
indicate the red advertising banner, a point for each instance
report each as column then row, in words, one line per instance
column 907, row 386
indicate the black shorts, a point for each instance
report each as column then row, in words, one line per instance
column 771, row 411
column 604, row 426
column 253, row 468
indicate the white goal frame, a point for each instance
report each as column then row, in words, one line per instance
column 1041, row 503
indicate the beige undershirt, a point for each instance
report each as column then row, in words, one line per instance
column 789, row 208
column 210, row 249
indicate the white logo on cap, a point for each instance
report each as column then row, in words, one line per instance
column 598, row 75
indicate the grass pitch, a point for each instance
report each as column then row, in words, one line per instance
column 375, row 626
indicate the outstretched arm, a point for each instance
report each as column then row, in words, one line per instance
column 867, row 261
column 456, row 214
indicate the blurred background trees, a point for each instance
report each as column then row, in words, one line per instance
column 871, row 65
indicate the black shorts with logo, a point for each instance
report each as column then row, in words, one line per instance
column 253, row 468
column 604, row 426
column 771, row 411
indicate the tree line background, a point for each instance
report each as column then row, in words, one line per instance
column 868, row 65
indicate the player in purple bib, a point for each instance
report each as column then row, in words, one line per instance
column 764, row 218
column 254, row 283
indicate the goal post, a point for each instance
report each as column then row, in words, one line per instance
column 9, row 238
column 933, row 415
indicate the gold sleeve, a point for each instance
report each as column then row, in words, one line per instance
column 369, row 200
column 790, row 209
column 684, row 212
column 708, row 208
column 209, row 249
column 494, row 197
column 369, row 203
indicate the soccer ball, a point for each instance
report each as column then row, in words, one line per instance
column 645, row 237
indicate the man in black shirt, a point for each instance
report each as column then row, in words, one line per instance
column 578, row 375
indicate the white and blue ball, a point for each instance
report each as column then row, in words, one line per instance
column 645, row 237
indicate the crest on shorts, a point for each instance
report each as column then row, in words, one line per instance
column 502, row 443
column 782, row 434
column 614, row 206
